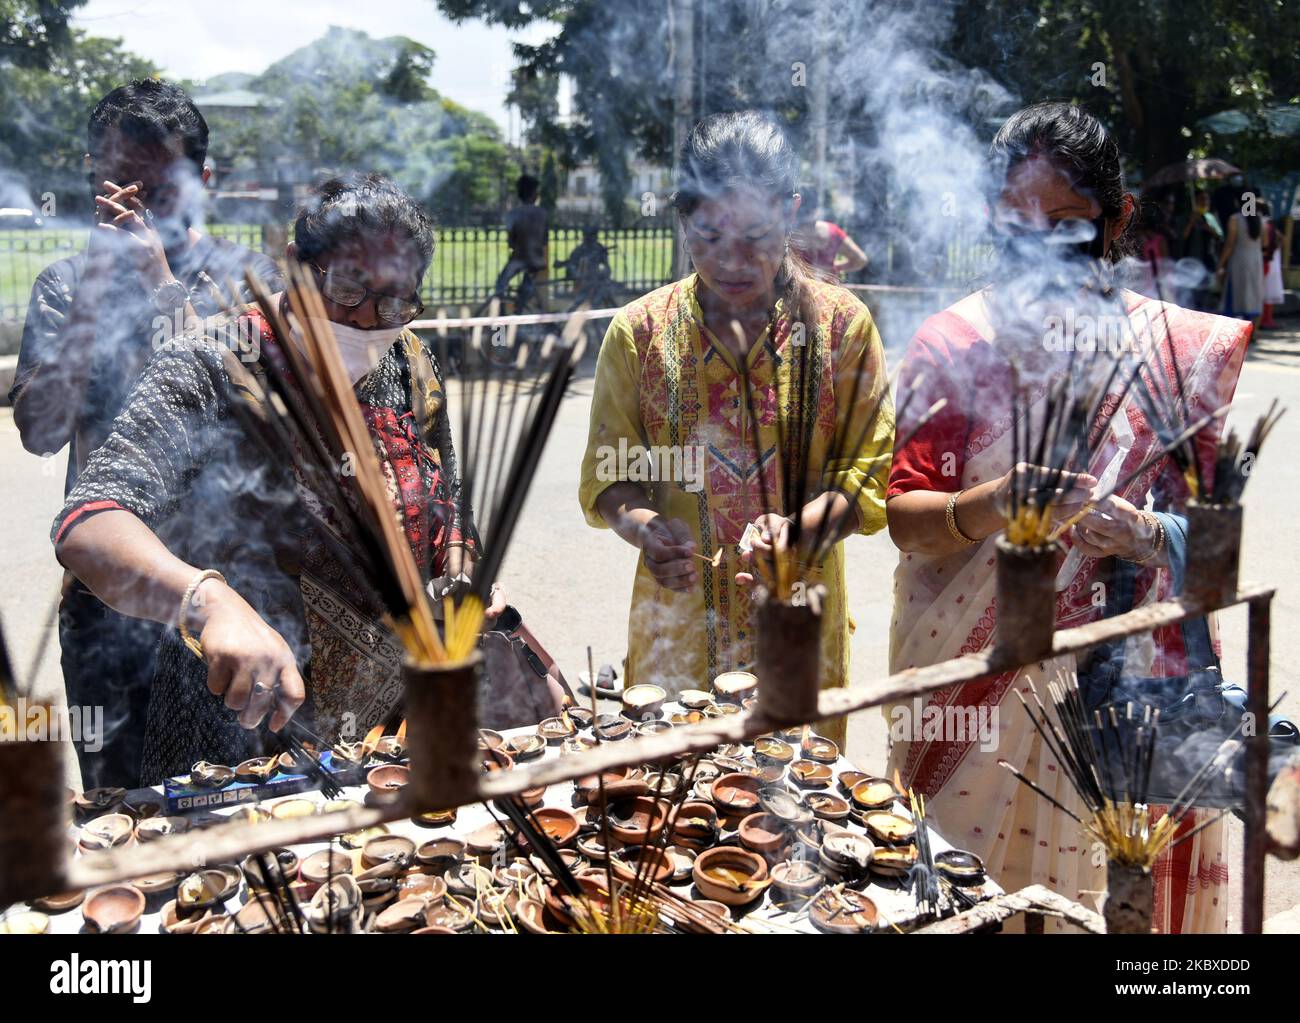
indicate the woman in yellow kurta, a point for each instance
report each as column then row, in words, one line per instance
column 672, row 463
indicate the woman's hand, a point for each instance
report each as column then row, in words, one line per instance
column 773, row 535
column 249, row 663
column 669, row 552
column 1071, row 493
column 1115, row 528
column 496, row 602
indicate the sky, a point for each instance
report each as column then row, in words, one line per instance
column 197, row 40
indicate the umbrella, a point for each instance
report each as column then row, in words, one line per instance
column 1192, row 170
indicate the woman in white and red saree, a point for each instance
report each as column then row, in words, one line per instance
column 949, row 482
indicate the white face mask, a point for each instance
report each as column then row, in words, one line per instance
column 360, row 350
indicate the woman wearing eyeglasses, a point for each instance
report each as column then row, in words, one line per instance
column 181, row 518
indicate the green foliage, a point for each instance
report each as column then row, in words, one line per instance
column 43, row 112
column 31, row 31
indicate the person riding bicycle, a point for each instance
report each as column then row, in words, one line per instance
column 526, row 232
column 588, row 267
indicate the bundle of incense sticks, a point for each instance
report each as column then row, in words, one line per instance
column 797, row 480
column 309, row 416
column 1107, row 757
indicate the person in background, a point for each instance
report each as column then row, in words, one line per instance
column 1270, row 250
column 93, row 321
column 1241, row 263
column 824, row 246
column 1201, row 237
column 526, row 234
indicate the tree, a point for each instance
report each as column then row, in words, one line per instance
column 32, row 31
column 43, row 113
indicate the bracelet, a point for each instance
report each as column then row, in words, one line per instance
column 187, row 637
column 1160, row 539
column 951, row 516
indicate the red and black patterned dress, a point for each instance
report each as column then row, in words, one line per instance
column 179, row 459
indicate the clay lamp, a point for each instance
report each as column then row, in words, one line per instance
column 388, row 849
column 809, row 774
column 526, row 747
column 873, row 793
column 439, row 855
column 387, row 780
column 819, row 749
column 378, row 884
column 581, row 716
column 653, row 727
column 964, row 869
column 556, row 730
column 794, row 882
column 735, row 877
column 893, row 861
column 691, row 717
column 695, row 824
column 453, row 915
column 694, row 699
column 735, row 795
column 111, row 831
column 845, row 780
column 358, row 839
column 770, row 749
column 765, row 834
column 94, row 802
column 485, row 842
column 401, row 917
column 391, row 747
column 560, row 825
column 531, row 916
column 644, row 862
column 488, row 739
column 612, row 728
column 889, row 828
column 637, row 821
column 61, row 902
column 436, row 818
column 425, row 887
column 827, row 806
column 641, row 701
column 619, row 783
column 152, row 828
column 578, row 744
column 664, row 785
column 288, row 809
column 321, row 865
column 115, row 909
column 735, row 686
column 846, row 856
column 496, row 760
column 837, row 911
column 515, row 874
column 257, row 770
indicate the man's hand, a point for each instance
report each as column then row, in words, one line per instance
column 121, row 213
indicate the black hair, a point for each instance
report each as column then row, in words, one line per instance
column 746, row 148
column 149, row 111
column 527, row 187
column 359, row 206
column 1076, row 143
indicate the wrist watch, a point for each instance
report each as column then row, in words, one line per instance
column 170, row 296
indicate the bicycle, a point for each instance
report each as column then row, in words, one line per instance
column 501, row 346
column 593, row 284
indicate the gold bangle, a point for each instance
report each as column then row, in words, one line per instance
column 187, row 637
column 1160, row 539
column 951, row 516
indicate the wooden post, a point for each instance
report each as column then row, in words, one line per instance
column 1130, row 899
column 681, row 15
column 1026, row 598
column 789, row 655
column 442, row 730
column 1213, row 553
column 1257, row 750
column 34, row 821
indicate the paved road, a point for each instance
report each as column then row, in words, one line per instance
column 573, row 583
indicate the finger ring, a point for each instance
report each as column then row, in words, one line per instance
column 259, row 688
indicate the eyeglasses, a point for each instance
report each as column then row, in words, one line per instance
column 394, row 311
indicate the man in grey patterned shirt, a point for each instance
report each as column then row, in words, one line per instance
column 93, row 322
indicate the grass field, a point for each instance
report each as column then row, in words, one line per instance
column 465, row 263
